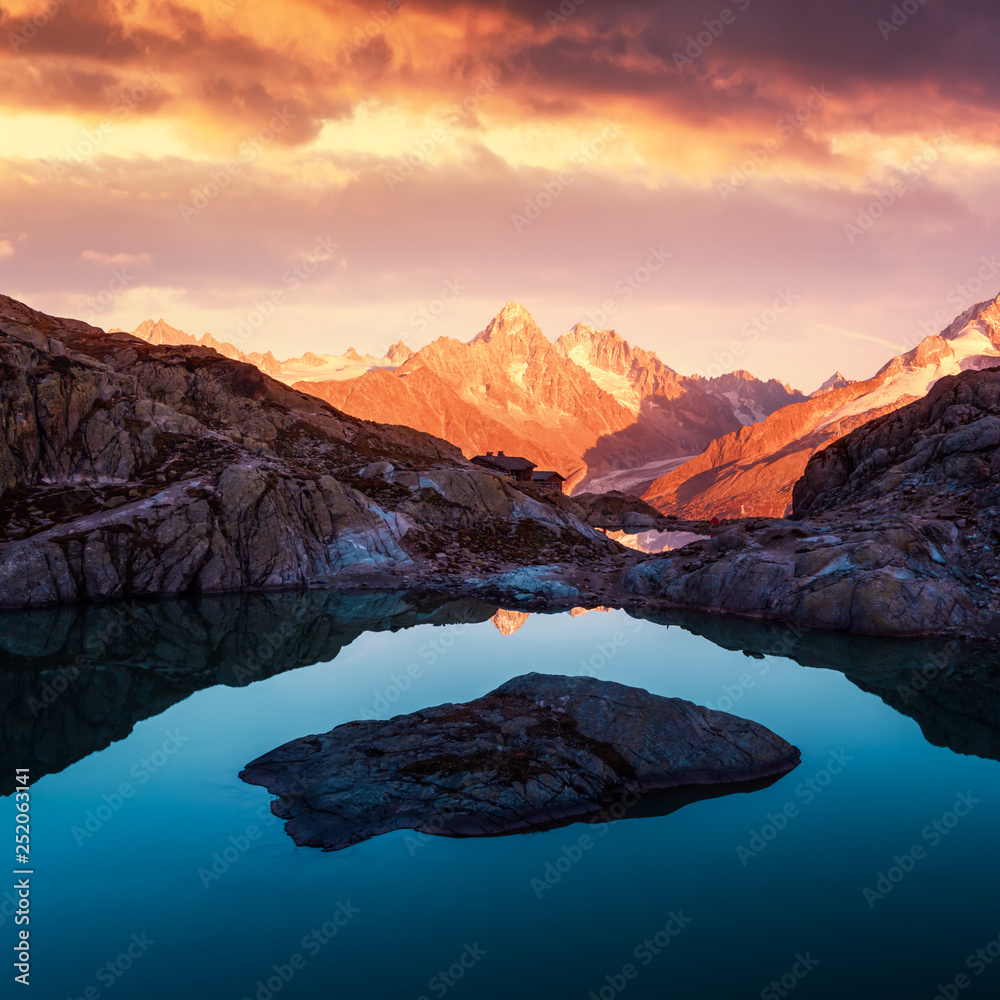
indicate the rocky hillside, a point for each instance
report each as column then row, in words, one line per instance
column 943, row 450
column 585, row 405
column 752, row 471
column 134, row 469
column 896, row 531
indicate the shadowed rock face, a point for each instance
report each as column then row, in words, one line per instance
column 950, row 689
column 538, row 750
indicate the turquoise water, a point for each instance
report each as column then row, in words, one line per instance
column 734, row 912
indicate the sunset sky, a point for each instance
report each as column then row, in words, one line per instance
column 340, row 167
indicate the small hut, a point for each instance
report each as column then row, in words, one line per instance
column 550, row 480
column 519, row 469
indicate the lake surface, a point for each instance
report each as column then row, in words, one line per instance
column 144, row 836
column 655, row 540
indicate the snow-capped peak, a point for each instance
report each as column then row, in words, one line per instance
column 510, row 321
column 836, row 381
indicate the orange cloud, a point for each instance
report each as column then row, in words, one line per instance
column 118, row 114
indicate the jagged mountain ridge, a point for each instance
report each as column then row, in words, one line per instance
column 586, row 404
column 752, row 472
column 630, row 374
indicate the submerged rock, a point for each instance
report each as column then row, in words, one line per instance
column 537, row 751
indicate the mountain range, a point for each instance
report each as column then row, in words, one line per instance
column 590, row 405
column 130, row 469
column 608, row 415
column 752, row 471
column 350, row 364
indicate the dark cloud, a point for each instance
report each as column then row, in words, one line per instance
column 600, row 50
column 254, row 104
column 951, row 48
column 785, row 228
column 852, row 47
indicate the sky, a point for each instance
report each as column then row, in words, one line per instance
column 787, row 186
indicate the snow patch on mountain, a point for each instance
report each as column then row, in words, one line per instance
column 515, row 372
column 744, row 411
column 611, row 382
column 971, row 348
column 328, row 367
column 625, row 480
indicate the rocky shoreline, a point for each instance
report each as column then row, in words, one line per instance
column 130, row 470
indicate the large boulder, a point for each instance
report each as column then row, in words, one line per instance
column 538, row 750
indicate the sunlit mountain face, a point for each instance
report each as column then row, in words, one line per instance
column 790, row 189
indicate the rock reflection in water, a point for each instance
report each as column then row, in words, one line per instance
column 137, row 660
